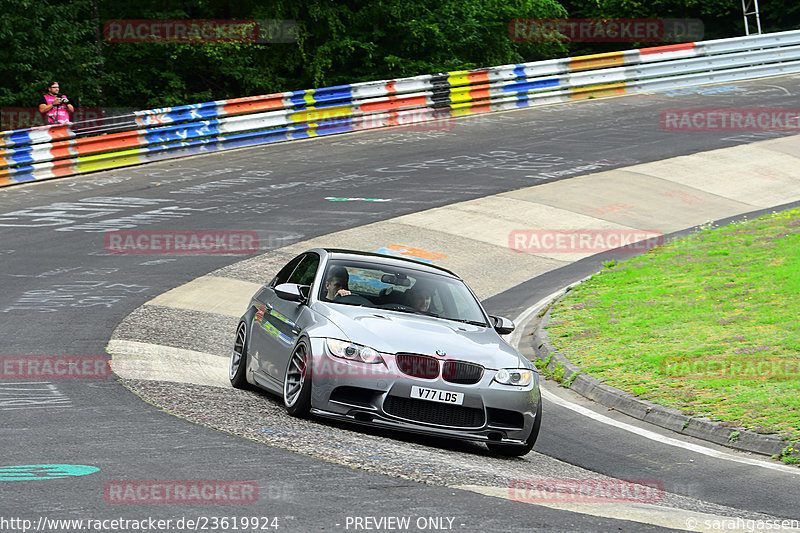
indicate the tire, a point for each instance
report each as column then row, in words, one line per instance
column 518, row 450
column 237, row 369
column 297, row 381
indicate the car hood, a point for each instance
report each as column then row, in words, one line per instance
column 394, row 332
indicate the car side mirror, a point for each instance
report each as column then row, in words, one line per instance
column 291, row 292
column 502, row 325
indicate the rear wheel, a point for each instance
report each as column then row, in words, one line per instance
column 518, row 450
column 297, row 381
column 237, row 369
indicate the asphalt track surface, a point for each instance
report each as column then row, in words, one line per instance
column 62, row 294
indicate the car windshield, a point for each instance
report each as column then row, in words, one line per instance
column 399, row 289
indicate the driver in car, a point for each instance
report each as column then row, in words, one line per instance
column 336, row 284
column 419, row 297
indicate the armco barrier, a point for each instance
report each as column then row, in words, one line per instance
column 156, row 134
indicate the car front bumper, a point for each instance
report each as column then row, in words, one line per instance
column 380, row 395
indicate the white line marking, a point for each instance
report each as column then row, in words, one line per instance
column 646, row 433
column 643, row 513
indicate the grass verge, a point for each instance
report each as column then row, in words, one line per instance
column 707, row 324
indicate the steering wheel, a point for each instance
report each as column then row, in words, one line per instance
column 353, row 299
column 397, row 305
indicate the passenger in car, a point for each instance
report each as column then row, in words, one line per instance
column 336, row 284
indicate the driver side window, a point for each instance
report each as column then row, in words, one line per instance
column 306, row 270
column 285, row 272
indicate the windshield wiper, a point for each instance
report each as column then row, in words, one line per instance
column 466, row 321
column 403, row 309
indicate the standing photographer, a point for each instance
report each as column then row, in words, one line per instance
column 54, row 108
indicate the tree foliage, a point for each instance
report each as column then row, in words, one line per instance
column 41, row 41
column 337, row 42
column 361, row 40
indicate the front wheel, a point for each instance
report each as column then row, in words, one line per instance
column 518, row 450
column 297, row 382
column 237, row 369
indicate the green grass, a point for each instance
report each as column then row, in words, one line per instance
column 709, row 324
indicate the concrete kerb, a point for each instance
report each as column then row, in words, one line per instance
column 539, row 347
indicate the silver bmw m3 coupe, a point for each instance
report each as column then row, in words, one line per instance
column 388, row 342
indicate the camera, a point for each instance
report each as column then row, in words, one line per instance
column 64, row 99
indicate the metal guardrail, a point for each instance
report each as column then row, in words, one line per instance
column 156, row 134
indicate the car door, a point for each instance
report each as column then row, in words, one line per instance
column 262, row 329
column 284, row 322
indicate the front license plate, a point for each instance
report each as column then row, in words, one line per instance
column 436, row 395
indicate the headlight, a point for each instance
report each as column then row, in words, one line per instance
column 514, row 376
column 353, row 352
